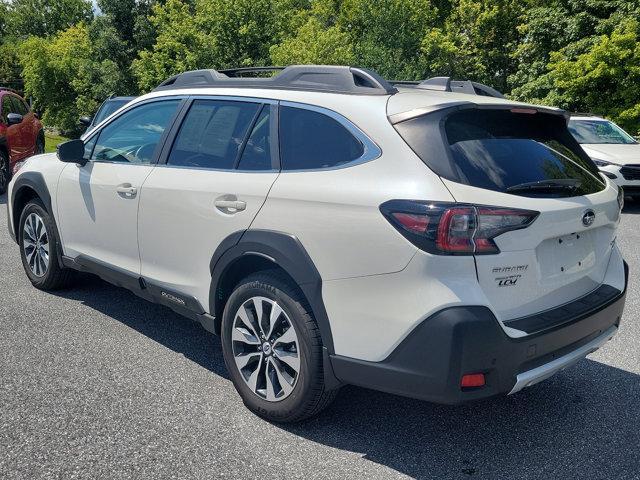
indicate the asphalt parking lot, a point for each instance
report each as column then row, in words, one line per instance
column 96, row 383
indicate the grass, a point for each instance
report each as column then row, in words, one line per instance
column 51, row 141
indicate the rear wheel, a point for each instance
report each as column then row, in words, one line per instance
column 5, row 171
column 273, row 349
column 39, row 248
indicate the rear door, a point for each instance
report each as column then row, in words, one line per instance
column 212, row 181
column 526, row 159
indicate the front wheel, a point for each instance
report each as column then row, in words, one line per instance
column 39, row 248
column 273, row 349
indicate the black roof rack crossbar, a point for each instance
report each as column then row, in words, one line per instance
column 445, row 84
column 320, row 78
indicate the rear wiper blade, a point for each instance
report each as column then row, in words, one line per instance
column 547, row 185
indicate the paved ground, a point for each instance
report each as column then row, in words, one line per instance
column 96, row 383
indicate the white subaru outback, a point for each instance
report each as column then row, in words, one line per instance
column 336, row 229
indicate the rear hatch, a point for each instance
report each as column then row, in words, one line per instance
column 524, row 159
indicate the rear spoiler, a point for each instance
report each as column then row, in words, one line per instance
column 514, row 107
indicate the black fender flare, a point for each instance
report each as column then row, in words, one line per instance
column 288, row 253
column 34, row 181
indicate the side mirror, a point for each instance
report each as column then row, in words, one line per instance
column 14, row 118
column 72, row 152
column 86, row 120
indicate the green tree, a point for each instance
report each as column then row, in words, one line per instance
column 180, row 45
column 212, row 34
column 44, row 17
column 64, row 77
column 477, row 41
column 381, row 34
column 604, row 79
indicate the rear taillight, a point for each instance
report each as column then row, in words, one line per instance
column 454, row 228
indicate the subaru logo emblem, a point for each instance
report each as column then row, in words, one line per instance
column 588, row 218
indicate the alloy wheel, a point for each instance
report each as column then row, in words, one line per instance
column 265, row 348
column 35, row 242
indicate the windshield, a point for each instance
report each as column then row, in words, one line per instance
column 108, row 108
column 599, row 131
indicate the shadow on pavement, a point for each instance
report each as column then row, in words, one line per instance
column 582, row 423
column 156, row 322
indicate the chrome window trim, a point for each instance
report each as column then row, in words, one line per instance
column 230, row 98
column 87, row 136
column 371, row 149
column 97, row 129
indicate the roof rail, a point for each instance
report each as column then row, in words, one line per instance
column 445, row 84
column 318, row 78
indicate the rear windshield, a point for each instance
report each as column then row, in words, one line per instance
column 519, row 153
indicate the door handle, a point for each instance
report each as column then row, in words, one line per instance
column 127, row 190
column 230, row 206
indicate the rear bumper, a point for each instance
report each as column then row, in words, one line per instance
column 430, row 362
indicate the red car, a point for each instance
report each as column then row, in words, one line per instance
column 21, row 134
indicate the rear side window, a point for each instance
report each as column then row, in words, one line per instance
column 257, row 150
column 311, row 140
column 510, row 152
column 212, row 134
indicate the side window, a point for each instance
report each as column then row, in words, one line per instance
column 19, row 106
column 312, row 140
column 134, row 135
column 257, row 151
column 212, row 134
column 25, row 107
column 6, row 108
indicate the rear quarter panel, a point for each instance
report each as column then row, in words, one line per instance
column 335, row 213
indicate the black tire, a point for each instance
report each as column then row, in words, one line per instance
column 5, row 171
column 308, row 396
column 53, row 277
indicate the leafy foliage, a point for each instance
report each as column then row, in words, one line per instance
column 577, row 54
column 66, row 77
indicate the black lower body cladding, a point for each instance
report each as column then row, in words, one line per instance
column 431, row 361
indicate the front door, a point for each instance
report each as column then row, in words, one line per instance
column 98, row 202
